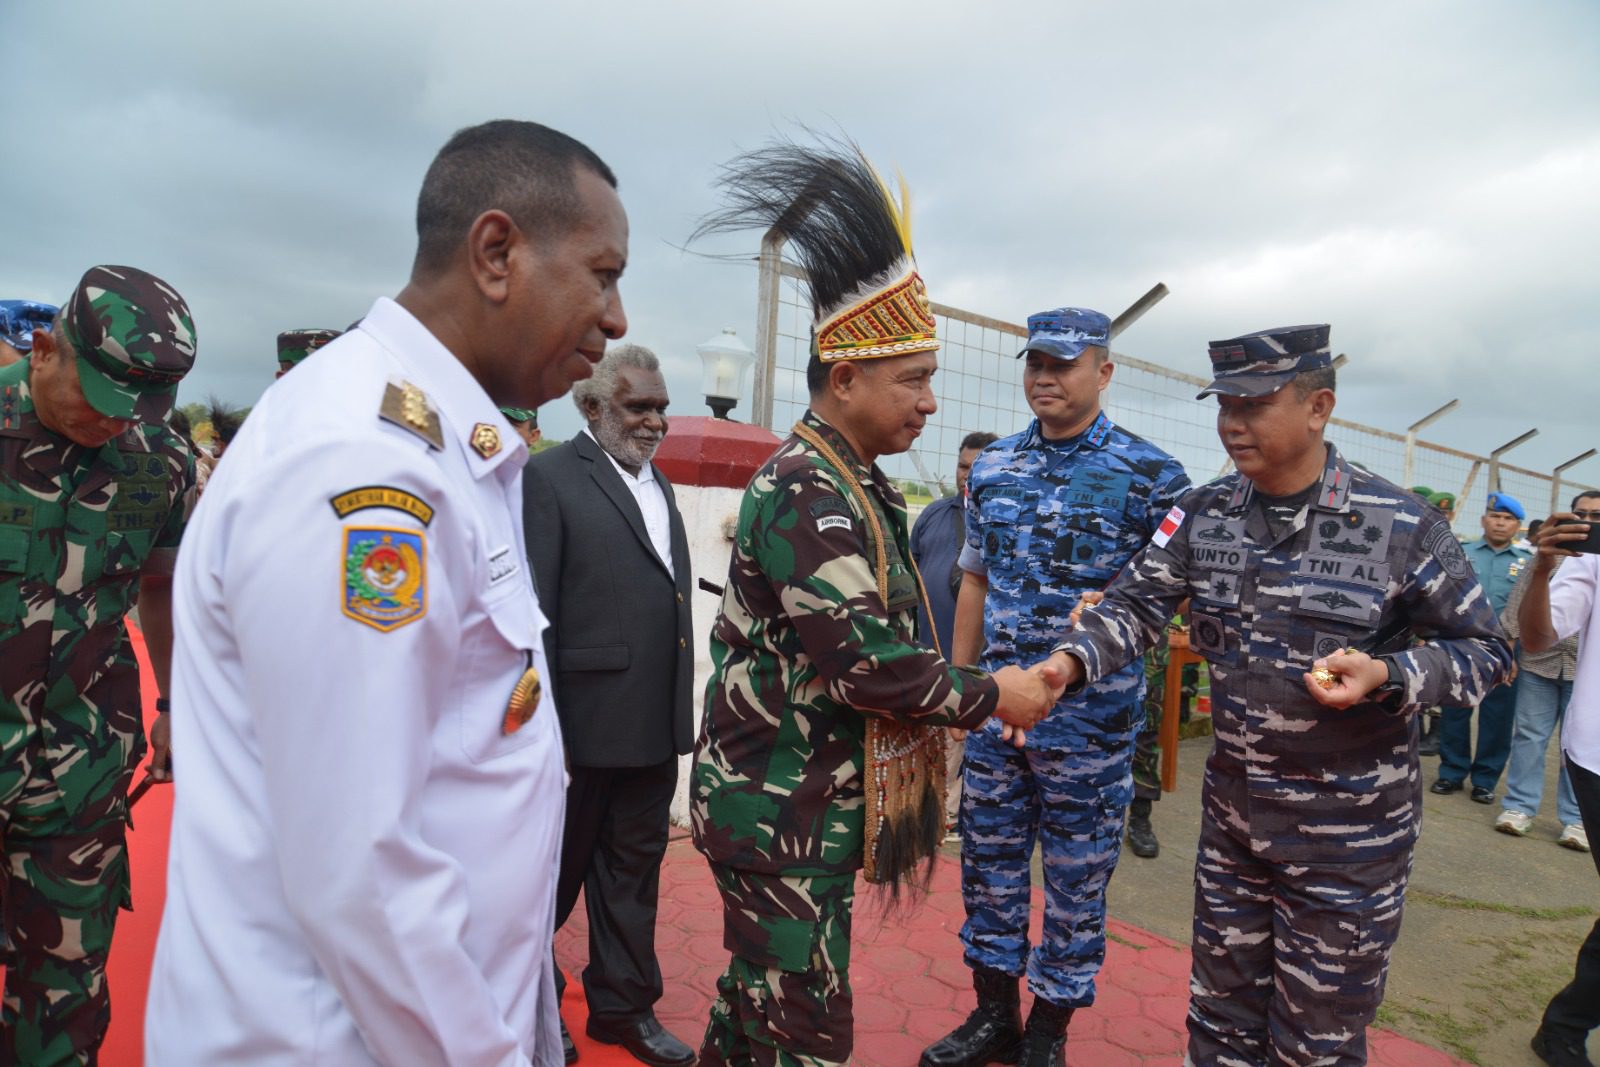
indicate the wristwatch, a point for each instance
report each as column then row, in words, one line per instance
column 1394, row 687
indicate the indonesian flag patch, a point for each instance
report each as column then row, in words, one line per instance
column 1168, row 527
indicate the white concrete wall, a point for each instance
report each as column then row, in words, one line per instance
column 710, row 517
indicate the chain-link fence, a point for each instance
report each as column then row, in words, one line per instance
column 979, row 387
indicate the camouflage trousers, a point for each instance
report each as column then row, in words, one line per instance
column 1289, row 958
column 784, row 1000
column 1147, row 746
column 65, row 877
column 1069, row 790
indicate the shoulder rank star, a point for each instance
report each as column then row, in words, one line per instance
column 485, row 440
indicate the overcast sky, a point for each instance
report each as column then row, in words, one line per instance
column 1422, row 175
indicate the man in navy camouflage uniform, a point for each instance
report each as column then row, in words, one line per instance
column 1053, row 512
column 1310, row 578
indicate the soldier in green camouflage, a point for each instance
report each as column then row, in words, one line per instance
column 92, row 484
column 295, row 345
column 819, row 753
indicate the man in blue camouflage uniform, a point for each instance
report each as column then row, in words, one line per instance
column 1498, row 560
column 18, row 320
column 1053, row 512
column 1310, row 579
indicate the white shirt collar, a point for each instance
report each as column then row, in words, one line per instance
column 461, row 401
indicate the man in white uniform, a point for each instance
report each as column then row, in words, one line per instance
column 368, row 816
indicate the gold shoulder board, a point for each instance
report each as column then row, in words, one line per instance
column 409, row 408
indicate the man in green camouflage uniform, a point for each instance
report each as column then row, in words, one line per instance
column 92, row 484
column 295, row 345
column 817, row 636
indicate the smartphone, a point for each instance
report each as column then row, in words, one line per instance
column 1590, row 544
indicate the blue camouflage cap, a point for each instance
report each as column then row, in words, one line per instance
column 19, row 318
column 1259, row 364
column 1065, row 332
column 1507, row 503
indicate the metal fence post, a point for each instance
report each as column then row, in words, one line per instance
column 1494, row 457
column 1555, row 479
column 1136, row 310
column 1411, row 438
column 769, row 278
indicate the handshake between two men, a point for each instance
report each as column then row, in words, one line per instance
column 1340, row 680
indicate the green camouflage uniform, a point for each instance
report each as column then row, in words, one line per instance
column 805, row 648
column 79, row 527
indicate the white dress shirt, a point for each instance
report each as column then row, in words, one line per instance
column 363, row 856
column 1575, row 609
column 652, row 504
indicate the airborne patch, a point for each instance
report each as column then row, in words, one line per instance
column 831, row 522
column 385, row 576
column 382, row 496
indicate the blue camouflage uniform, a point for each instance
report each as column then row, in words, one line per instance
column 1497, row 570
column 1309, row 813
column 1048, row 521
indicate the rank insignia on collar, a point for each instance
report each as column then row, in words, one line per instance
column 523, row 703
column 485, row 440
column 385, row 576
column 408, row 407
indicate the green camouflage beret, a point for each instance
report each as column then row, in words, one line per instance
column 295, row 345
column 521, row 414
column 134, row 340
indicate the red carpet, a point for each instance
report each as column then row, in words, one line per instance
column 910, row 983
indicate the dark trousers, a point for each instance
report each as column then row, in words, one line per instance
column 1457, row 756
column 613, row 843
column 1576, row 1009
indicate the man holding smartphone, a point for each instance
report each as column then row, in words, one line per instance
column 1557, row 606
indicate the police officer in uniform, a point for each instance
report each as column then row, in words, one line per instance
column 364, row 850
column 1498, row 560
column 92, row 489
column 1053, row 512
column 1310, row 579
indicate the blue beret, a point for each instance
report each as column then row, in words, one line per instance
column 19, row 318
column 1259, row 364
column 1507, row 503
column 1065, row 332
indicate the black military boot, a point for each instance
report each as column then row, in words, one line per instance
column 991, row 1034
column 1044, row 1040
column 1141, row 835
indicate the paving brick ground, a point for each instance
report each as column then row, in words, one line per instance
column 911, row 986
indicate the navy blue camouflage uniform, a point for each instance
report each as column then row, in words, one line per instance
column 1046, row 522
column 1309, row 813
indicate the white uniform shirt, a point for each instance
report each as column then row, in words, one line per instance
column 1575, row 609
column 362, row 860
column 652, row 504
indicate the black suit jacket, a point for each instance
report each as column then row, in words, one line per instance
column 619, row 639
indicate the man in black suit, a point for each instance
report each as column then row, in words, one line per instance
column 611, row 563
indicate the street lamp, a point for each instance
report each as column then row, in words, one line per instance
column 725, row 359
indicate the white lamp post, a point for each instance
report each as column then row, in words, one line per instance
column 725, row 359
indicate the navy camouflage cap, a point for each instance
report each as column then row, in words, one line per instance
column 296, row 345
column 1066, row 332
column 134, row 340
column 1259, row 364
column 19, row 318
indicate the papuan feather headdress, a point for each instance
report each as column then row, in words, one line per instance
column 848, row 232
